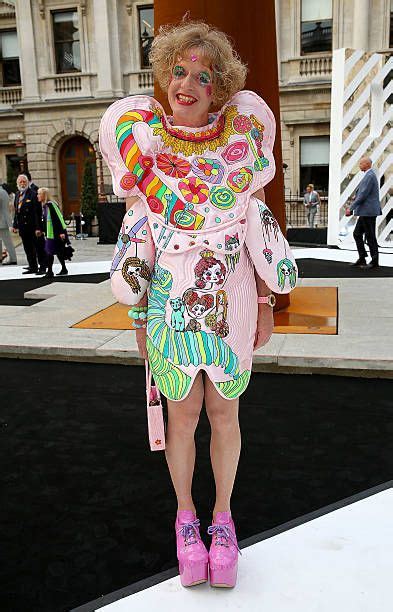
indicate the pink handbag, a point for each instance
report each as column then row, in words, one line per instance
column 155, row 419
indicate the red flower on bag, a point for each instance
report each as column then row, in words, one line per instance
column 171, row 165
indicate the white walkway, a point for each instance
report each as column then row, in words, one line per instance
column 340, row 562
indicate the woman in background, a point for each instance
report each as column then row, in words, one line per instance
column 56, row 236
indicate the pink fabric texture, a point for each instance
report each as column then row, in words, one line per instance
column 196, row 234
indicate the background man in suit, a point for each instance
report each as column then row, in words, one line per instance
column 367, row 207
column 5, row 224
column 27, row 221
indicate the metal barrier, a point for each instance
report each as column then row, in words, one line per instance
column 296, row 212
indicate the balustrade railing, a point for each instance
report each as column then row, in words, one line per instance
column 68, row 84
column 10, row 95
column 315, row 66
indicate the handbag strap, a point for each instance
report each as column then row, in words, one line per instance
column 149, row 377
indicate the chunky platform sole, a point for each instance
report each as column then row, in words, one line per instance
column 224, row 578
column 191, row 575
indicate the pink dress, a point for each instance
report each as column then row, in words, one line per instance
column 196, row 234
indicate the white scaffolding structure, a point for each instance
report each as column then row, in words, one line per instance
column 361, row 125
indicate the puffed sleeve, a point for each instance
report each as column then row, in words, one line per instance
column 133, row 258
column 268, row 249
column 258, row 124
column 124, row 137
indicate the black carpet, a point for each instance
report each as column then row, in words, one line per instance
column 88, row 509
column 322, row 268
column 12, row 291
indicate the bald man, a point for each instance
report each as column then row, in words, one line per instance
column 367, row 207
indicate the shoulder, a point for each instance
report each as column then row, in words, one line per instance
column 144, row 104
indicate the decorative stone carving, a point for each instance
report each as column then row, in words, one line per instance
column 68, row 126
column 7, row 9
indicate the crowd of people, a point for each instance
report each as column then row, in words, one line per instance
column 40, row 224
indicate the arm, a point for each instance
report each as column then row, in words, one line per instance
column 133, row 258
column 15, row 222
column 362, row 192
column 268, row 249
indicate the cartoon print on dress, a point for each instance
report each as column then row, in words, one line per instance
column 194, row 190
column 232, row 243
column 187, row 348
column 210, row 170
column 160, row 198
column 286, row 271
column 217, row 321
column 197, row 305
column 177, row 318
column 235, row 152
column 240, row 180
column 126, row 238
column 134, row 268
column 252, row 129
column 210, row 272
column 269, row 225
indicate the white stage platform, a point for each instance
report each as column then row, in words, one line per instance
column 338, row 562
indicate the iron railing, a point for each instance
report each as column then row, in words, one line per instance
column 296, row 212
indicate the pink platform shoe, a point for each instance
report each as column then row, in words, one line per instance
column 191, row 551
column 223, row 552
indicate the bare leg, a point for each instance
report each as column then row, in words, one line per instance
column 225, row 443
column 183, row 419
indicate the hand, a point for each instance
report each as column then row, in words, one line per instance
column 265, row 325
column 140, row 333
column 38, row 233
column 14, row 230
column 348, row 212
column 62, row 236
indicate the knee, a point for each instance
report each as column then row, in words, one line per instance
column 185, row 420
column 222, row 415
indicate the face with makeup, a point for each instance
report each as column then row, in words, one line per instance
column 190, row 90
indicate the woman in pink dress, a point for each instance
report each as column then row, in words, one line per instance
column 202, row 252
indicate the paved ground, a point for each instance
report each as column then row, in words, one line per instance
column 363, row 346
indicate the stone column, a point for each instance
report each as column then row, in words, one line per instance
column 361, row 17
column 257, row 47
column 107, row 47
column 27, row 51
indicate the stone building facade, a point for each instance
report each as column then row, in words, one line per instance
column 75, row 57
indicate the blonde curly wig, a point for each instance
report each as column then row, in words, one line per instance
column 172, row 42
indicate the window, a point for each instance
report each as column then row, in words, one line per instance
column 391, row 24
column 9, row 55
column 146, row 33
column 314, row 163
column 66, row 41
column 316, row 27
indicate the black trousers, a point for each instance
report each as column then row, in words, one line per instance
column 365, row 226
column 29, row 245
column 40, row 250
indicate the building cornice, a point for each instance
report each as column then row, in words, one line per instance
column 69, row 102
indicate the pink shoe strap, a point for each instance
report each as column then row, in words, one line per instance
column 222, row 531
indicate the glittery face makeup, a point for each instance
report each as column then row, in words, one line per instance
column 178, row 72
column 203, row 78
column 193, row 58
